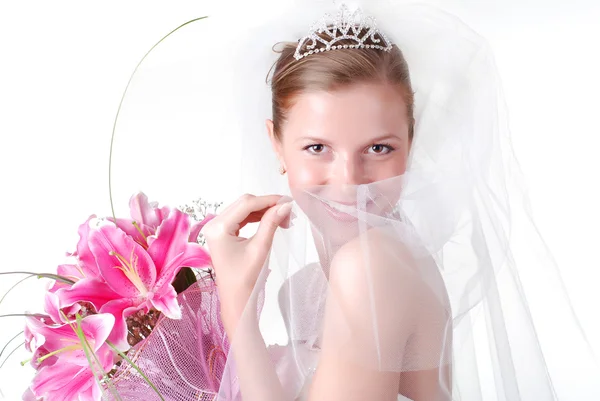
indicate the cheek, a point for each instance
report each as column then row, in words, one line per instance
column 303, row 175
column 303, row 171
column 392, row 167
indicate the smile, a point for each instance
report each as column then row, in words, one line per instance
column 345, row 212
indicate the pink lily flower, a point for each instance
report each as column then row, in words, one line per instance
column 34, row 341
column 66, row 381
column 146, row 217
column 147, row 213
column 135, row 278
column 52, row 308
column 85, row 265
column 52, row 342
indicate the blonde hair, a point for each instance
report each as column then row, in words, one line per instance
column 327, row 71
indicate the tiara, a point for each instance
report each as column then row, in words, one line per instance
column 346, row 25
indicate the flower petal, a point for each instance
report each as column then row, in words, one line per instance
column 29, row 396
column 49, row 379
column 53, row 309
column 69, row 271
column 197, row 227
column 92, row 290
column 40, row 340
column 170, row 240
column 64, row 338
column 121, row 309
column 193, row 255
column 66, row 381
column 167, row 303
column 33, row 338
column 128, row 226
column 86, row 259
column 145, row 212
column 98, row 328
column 124, row 264
column 170, row 249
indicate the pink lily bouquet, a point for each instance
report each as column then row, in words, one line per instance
column 126, row 275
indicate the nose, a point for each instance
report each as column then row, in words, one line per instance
column 348, row 171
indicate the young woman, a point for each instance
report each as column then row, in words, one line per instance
column 342, row 119
column 383, row 265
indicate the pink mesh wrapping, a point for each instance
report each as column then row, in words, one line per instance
column 183, row 358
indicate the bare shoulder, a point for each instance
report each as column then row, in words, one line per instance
column 397, row 303
column 376, row 257
column 379, row 278
column 375, row 281
column 374, row 311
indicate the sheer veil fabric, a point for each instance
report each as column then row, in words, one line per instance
column 440, row 269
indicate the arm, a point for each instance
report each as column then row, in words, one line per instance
column 373, row 312
column 257, row 375
column 238, row 263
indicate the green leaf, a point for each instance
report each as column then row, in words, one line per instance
column 184, row 279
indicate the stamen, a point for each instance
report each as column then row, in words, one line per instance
column 136, row 225
column 58, row 351
column 129, row 268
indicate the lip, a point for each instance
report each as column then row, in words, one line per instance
column 340, row 215
column 344, row 203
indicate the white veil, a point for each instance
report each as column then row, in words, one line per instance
column 448, row 248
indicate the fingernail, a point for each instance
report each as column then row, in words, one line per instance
column 284, row 209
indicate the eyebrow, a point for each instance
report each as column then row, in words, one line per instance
column 377, row 139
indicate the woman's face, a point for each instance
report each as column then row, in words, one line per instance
column 351, row 136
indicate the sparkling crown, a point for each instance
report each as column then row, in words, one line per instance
column 346, row 25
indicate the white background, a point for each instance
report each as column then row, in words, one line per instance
column 64, row 65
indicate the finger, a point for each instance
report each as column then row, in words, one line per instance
column 288, row 221
column 246, row 209
column 254, row 217
column 272, row 219
column 257, row 216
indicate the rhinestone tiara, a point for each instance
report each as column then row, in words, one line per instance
column 345, row 25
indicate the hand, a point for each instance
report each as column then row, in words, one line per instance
column 237, row 261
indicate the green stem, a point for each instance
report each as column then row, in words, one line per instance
column 9, row 341
column 12, row 288
column 12, row 352
column 44, row 275
column 125, row 357
column 39, row 315
column 87, row 349
column 112, row 138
